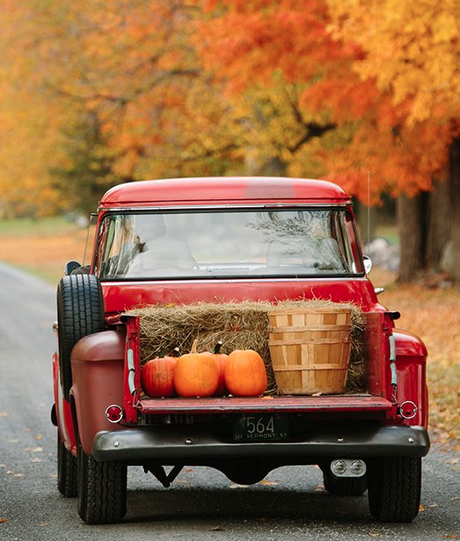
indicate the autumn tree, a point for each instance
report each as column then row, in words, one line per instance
column 27, row 125
column 127, row 98
column 418, row 67
column 357, row 63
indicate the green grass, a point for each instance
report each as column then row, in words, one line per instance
column 24, row 227
column 388, row 232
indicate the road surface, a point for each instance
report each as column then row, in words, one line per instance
column 290, row 504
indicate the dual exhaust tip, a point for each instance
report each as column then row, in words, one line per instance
column 348, row 467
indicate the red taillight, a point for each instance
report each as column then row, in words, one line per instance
column 114, row 413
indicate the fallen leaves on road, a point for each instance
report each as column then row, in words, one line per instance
column 268, row 483
column 3, row 520
column 3, row 414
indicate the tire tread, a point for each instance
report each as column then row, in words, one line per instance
column 394, row 489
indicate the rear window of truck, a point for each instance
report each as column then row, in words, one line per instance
column 220, row 243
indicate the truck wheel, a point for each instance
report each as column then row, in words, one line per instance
column 80, row 311
column 101, row 490
column 346, row 486
column 67, row 470
column 394, row 488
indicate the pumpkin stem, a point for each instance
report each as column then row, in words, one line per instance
column 194, row 346
column 217, row 347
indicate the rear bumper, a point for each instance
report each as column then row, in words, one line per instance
column 172, row 445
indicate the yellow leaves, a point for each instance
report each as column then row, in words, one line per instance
column 412, row 49
column 267, row 483
column 445, row 26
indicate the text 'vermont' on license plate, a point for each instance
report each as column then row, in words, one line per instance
column 264, row 427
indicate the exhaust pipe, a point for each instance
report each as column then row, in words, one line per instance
column 348, row 467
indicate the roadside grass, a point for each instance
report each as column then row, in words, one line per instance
column 24, row 227
column 43, row 248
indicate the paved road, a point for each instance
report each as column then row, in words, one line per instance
column 202, row 504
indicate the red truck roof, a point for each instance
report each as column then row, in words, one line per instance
column 208, row 190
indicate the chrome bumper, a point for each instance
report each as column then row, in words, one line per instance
column 186, row 445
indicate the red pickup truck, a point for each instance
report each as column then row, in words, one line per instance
column 183, row 242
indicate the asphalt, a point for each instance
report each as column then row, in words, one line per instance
column 290, row 504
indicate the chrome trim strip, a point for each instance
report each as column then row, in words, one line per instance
column 246, row 205
column 234, row 280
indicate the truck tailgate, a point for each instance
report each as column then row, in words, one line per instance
column 267, row 404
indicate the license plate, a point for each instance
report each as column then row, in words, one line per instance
column 261, row 427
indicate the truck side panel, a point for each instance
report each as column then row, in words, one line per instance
column 97, row 374
column 411, row 356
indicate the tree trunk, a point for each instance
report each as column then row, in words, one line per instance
column 274, row 167
column 439, row 224
column 454, row 181
column 429, row 226
column 410, row 217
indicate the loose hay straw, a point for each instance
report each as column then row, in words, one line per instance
column 242, row 325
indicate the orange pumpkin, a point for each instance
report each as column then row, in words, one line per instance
column 196, row 374
column 245, row 373
column 221, row 359
column 157, row 376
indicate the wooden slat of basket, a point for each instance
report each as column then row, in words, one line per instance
column 310, row 367
column 301, row 341
column 309, row 328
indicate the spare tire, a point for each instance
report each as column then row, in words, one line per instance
column 80, row 311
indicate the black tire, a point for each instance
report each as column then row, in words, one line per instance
column 394, row 488
column 345, row 486
column 67, row 470
column 80, row 311
column 101, row 490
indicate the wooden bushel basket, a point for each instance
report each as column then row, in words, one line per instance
column 310, row 349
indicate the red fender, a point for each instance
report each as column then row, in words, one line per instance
column 411, row 357
column 97, row 376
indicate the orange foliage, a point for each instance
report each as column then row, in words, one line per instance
column 195, row 87
column 353, row 73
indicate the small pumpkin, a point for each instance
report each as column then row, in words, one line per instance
column 221, row 359
column 196, row 374
column 157, row 376
column 245, row 373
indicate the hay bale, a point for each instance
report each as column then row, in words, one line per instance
column 242, row 325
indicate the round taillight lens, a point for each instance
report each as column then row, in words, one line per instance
column 114, row 413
